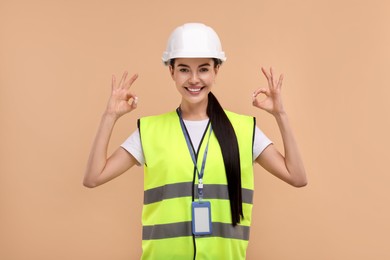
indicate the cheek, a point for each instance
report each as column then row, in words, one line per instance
column 207, row 78
column 179, row 79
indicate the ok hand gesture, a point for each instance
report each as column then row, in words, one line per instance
column 272, row 103
column 119, row 102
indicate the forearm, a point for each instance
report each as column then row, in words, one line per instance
column 292, row 157
column 98, row 154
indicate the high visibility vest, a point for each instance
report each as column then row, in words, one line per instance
column 170, row 186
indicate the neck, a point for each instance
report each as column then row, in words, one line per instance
column 194, row 111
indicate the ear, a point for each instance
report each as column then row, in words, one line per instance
column 216, row 69
column 171, row 71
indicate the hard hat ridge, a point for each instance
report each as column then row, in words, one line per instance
column 193, row 40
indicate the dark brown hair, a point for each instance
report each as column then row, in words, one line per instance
column 227, row 139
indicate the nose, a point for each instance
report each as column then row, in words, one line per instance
column 194, row 78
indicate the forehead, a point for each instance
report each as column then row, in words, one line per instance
column 194, row 61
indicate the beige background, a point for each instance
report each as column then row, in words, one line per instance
column 56, row 61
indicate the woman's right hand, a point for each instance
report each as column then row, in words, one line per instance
column 119, row 102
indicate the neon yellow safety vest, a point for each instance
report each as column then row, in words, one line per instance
column 170, row 187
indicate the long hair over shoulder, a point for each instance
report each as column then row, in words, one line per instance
column 227, row 139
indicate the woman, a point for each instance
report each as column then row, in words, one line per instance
column 198, row 159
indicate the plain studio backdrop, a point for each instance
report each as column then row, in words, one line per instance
column 56, row 62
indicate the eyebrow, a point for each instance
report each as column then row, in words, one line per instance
column 184, row 65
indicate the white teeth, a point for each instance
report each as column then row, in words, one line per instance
column 194, row 89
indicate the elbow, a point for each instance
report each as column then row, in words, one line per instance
column 299, row 179
column 299, row 183
column 89, row 184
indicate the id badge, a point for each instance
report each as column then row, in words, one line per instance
column 201, row 218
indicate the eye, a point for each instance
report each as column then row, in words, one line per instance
column 204, row 69
column 184, row 70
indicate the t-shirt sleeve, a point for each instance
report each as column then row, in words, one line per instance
column 260, row 143
column 134, row 147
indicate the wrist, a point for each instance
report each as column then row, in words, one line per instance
column 108, row 116
column 280, row 116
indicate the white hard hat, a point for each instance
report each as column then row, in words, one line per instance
column 193, row 40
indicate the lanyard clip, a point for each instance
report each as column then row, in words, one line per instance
column 200, row 184
column 200, row 189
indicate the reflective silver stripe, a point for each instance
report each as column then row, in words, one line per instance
column 220, row 191
column 180, row 229
column 169, row 191
column 228, row 231
column 184, row 189
column 183, row 229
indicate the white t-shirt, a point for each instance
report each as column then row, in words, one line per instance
column 195, row 130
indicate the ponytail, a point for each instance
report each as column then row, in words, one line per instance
column 227, row 139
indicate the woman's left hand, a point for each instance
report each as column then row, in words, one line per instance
column 272, row 103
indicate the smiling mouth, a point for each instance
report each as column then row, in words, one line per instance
column 194, row 90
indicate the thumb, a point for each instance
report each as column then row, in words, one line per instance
column 134, row 103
